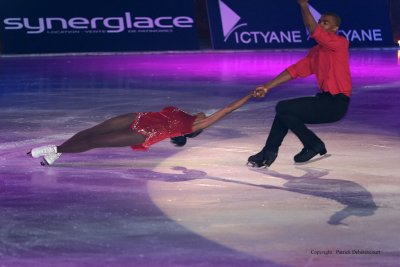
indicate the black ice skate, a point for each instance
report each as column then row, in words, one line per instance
column 307, row 154
column 264, row 158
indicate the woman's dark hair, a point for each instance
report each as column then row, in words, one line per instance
column 181, row 140
column 194, row 134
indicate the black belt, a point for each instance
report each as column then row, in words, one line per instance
column 340, row 95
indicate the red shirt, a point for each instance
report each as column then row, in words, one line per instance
column 157, row 126
column 329, row 61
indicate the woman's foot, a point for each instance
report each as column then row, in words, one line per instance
column 178, row 140
column 50, row 159
column 42, row 151
column 49, row 154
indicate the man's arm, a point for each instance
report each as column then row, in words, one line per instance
column 283, row 77
column 308, row 18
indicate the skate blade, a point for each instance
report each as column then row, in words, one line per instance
column 313, row 160
column 44, row 163
column 255, row 165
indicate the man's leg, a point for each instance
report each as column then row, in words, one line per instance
column 323, row 108
column 292, row 115
column 269, row 152
column 276, row 134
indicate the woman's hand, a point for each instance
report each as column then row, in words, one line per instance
column 260, row 91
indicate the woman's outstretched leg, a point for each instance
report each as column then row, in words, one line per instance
column 115, row 132
column 114, row 124
column 120, row 138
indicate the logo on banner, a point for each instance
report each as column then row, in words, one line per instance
column 230, row 26
column 234, row 29
column 229, row 19
column 127, row 22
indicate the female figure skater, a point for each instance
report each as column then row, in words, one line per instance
column 139, row 130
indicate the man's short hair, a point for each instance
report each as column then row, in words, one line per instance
column 336, row 17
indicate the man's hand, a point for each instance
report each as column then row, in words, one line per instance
column 260, row 91
column 302, row 2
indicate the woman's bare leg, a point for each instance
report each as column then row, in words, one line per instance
column 119, row 138
column 115, row 132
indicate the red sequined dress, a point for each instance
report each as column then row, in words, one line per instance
column 157, row 126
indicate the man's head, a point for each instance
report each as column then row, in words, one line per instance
column 330, row 22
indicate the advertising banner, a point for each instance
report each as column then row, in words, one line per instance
column 238, row 24
column 48, row 26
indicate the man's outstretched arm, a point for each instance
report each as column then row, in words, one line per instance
column 308, row 18
column 282, row 78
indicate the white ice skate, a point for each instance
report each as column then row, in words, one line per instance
column 49, row 159
column 42, row 151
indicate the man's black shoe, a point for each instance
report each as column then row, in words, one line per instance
column 306, row 153
column 264, row 158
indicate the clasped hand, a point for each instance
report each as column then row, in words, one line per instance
column 259, row 92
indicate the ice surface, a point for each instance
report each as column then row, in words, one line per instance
column 198, row 205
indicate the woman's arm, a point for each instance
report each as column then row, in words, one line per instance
column 202, row 123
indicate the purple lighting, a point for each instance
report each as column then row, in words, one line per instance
column 197, row 205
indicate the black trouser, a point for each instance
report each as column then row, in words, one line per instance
column 293, row 114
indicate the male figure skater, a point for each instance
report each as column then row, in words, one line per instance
column 329, row 61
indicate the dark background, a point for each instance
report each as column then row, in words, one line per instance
column 203, row 30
